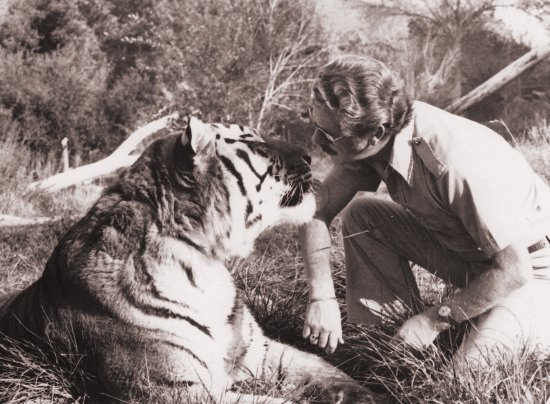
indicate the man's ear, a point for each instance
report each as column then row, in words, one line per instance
column 380, row 132
column 378, row 136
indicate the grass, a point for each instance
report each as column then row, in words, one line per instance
column 18, row 167
column 274, row 287
column 28, row 374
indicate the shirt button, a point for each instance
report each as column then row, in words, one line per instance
column 416, row 141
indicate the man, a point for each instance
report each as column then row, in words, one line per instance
column 466, row 206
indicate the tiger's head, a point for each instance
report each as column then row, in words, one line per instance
column 235, row 185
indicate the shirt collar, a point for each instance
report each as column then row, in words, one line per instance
column 401, row 155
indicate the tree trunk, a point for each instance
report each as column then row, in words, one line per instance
column 500, row 79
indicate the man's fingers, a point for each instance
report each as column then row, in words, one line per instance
column 412, row 343
column 323, row 339
column 312, row 335
column 407, row 339
column 412, row 339
column 332, row 343
column 306, row 331
column 400, row 335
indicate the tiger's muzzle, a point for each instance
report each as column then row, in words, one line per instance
column 293, row 167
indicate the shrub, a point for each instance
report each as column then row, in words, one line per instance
column 92, row 70
column 51, row 97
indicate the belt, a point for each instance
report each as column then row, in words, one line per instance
column 539, row 245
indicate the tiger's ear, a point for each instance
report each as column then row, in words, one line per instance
column 198, row 136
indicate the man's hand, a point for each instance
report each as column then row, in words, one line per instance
column 422, row 329
column 323, row 326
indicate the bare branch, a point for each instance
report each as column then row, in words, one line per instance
column 15, row 221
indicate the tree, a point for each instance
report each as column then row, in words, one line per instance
column 500, row 79
column 92, row 69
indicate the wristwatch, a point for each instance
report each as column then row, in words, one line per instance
column 444, row 313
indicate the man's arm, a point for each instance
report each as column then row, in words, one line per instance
column 511, row 270
column 316, row 243
column 492, row 190
column 323, row 320
column 322, row 323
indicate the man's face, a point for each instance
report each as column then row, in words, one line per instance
column 329, row 137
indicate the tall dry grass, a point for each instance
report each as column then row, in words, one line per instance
column 19, row 166
column 29, row 374
column 15, row 172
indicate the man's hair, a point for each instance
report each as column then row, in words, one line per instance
column 364, row 94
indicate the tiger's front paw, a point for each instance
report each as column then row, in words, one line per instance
column 341, row 394
column 350, row 395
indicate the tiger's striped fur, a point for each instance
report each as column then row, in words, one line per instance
column 141, row 282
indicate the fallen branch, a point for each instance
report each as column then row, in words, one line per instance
column 13, row 221
column 121, row 157
column 500, row 79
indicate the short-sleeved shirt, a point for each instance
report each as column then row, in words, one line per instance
column 462, row 181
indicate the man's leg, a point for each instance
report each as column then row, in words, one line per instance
column 380, row 238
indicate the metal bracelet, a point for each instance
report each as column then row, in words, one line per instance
column 320, row 299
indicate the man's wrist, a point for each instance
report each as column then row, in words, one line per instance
column 320, row 299
column 442, row 317
column 321, row 284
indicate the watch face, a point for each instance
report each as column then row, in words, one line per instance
column 444, row 311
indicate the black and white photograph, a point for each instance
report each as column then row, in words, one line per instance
column 275, row 201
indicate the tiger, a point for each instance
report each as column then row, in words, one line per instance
column 140, row 282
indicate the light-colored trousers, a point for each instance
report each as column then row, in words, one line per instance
column 381, row 237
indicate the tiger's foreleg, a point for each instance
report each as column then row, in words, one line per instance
column 294, row 370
